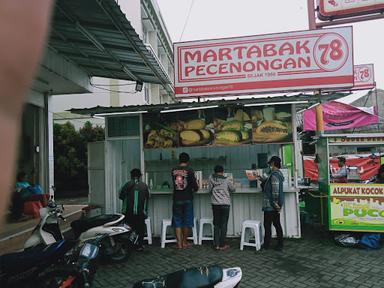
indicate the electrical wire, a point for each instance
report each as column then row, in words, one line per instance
column 187, row 19
column 117, row 91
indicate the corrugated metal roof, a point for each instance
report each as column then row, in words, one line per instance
column 187, row 105
column 97, row 36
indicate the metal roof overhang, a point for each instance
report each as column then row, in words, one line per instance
column 300, row 99
column 96, row 35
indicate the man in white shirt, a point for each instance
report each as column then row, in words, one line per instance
column 341, row 175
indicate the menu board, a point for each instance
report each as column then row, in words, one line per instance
column 221, row 126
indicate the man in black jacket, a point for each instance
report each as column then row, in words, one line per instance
column 273, row 201
column 184, row 185
column 135, row 195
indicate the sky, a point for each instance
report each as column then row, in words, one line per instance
column 210, row 19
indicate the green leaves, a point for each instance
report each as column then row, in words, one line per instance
column 70, row 151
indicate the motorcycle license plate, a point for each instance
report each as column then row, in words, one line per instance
column 89, row 251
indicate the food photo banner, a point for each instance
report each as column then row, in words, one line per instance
column 356, row 207
column 292, row 61
column 218, row 127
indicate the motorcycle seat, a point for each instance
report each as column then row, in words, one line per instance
column 81, row 225
column 187, row 278
column 34, row 256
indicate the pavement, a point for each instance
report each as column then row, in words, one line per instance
column 313, row 261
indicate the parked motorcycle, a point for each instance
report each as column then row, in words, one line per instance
column 47, row 230
column 116, row 247
column 121, row 238
column 196, row 277
column 21, row 269
column 77, row 272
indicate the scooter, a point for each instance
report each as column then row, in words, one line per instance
column 48, row 230
column 22, row 269
column 196, row 277
column 79, row 271
column 116, row 247
column 121, row 238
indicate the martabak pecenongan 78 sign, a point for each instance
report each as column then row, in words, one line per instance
column 293, row 61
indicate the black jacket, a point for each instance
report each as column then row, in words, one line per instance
column 135, row 195
column 184, row 183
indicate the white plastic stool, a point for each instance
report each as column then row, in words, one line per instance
column 149, row 231
column 194, row 232
column 256, row 226
column 164, row 225
column 202, row 222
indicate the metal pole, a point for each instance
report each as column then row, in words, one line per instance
column 312, row 26
column 319, row 118
column 311, row 15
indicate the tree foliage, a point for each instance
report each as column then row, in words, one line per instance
column 70, row 152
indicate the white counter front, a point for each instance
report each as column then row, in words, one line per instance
column 246, row 204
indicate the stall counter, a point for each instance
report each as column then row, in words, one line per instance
column 246, row 204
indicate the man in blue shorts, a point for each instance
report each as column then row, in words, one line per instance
column 184, row 184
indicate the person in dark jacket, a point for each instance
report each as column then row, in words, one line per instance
column 184, row 185
column 220, row 188
column 273, row 200
column 135, row 195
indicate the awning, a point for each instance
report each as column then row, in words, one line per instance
column 302, row 100
column 96, row 35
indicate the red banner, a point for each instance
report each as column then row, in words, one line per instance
column 367, row 166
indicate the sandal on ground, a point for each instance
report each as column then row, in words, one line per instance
column 225, row 247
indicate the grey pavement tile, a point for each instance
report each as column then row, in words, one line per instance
column 314, row 261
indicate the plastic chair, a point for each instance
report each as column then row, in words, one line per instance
column 164, row 225
column 149, row 231
column 202, row 222
column 256, row 227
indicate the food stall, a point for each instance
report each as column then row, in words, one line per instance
column 238, row 134
column 356, row 205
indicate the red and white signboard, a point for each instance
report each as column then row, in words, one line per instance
column 294, row 61
column 364, row 77
column 346, row 8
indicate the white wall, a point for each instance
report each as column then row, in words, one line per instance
column 61, row 103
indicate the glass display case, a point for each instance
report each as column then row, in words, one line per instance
column 235, row 160
column 158, row 172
